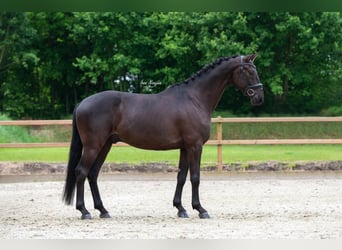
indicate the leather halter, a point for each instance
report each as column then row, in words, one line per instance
column 249, row 90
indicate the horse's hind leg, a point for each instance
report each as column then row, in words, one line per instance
column 81, row 173
column 89, row 156
column 92, row 179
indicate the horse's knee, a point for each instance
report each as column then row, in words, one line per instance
column 195, row 179
column 181, row 180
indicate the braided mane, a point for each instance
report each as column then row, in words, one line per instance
column 204, row 70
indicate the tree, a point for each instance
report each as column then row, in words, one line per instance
column 115, row 48
column 56, row 52
column 50, row 61
column 17, row 62
column 299, row 53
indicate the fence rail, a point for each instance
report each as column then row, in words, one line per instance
column 213, row 120
column 218, row 142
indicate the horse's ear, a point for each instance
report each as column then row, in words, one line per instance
column 251, row 58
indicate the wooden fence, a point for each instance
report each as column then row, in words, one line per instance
column 218, row 142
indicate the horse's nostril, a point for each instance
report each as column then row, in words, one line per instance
column 257, row 100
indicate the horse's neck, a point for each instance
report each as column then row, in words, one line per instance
column 210, row 87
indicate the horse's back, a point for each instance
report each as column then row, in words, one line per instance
column 100, row 100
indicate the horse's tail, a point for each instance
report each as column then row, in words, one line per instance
column 75, row 154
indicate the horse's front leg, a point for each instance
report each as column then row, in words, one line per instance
column 181, row 178
column 194, row 159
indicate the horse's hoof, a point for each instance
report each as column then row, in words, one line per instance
column 105, row 216
column 182, row 214
column 204, row 215
column 86, row 217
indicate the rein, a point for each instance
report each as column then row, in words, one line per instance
column 249, row 90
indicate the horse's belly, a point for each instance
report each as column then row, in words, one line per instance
column 151, row 146
column 153, row 143
column 160, row 137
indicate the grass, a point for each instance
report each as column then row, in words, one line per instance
column 15, row 133
column 284, row 130
column 277, row 130
column 243, row 153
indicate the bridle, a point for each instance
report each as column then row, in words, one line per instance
column 249, row 90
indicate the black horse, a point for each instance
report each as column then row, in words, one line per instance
column 176, row 118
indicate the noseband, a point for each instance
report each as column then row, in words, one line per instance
column 249, row 90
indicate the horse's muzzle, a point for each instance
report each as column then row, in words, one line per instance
column 256, row 93
column 257, row 99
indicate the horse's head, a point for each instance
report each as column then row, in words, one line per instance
column 246, row 79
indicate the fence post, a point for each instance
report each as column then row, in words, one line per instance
column 219, row 144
